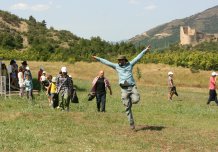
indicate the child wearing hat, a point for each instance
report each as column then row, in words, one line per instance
column 170, row 85
column 52, row 88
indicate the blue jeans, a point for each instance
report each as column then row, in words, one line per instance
column 129, row 96
column 101, row 101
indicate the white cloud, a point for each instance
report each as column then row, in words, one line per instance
column 25, row 6
column 133, row 2
column 40, row 7
column 20, row 6
column 150, row 7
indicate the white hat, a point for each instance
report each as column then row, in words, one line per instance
column 53, row 79
column 44, row 72
column 214, row 74
column 43, row 78
column 27, row 68
column 63, row 69
column 70, row 76
column 170, row 73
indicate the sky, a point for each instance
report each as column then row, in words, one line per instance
column 112, row 20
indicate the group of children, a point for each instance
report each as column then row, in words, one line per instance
column 19, row 77
column 25, row 81
column 60, row 90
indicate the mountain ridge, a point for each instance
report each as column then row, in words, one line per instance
column 168, row 33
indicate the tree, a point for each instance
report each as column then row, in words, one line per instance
column 44, row 23
column 32, row 19
column 8, row 41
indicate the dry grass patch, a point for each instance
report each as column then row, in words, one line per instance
column 156, row 74
column 151, row 74
column 10, row 116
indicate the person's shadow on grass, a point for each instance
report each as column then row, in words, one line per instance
column 151, row 128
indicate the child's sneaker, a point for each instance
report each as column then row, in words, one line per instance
column 132, row 126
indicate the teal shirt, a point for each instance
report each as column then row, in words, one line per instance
column 28, row 85
column 125, row 71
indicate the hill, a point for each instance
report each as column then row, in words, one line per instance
column 164, row 35
column 29, row 39
column 16, row 28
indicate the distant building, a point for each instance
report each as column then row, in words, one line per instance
column 192, row 37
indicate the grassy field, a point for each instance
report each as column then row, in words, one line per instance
column 186, row 124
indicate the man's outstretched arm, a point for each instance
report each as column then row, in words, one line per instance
column 104, row 61
column 140, row 55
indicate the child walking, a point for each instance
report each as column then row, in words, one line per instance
column 53, row 91
column 28, row 87
column 21, row 81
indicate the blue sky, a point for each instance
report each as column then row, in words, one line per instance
column 112, row 20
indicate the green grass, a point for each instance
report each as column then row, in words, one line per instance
column 186, row 124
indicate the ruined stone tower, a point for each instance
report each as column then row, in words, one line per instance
column 187, row 35
column 192, row 37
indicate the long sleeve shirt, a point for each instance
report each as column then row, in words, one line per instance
column 124, row 72
column 64, row 83
column 106, row 83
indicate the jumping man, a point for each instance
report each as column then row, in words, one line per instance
column 129, row 92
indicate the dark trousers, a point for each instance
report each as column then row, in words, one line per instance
column 212, row 96
column 54, row 98
column 101, row 101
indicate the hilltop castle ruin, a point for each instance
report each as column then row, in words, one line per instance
column 192, row 37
